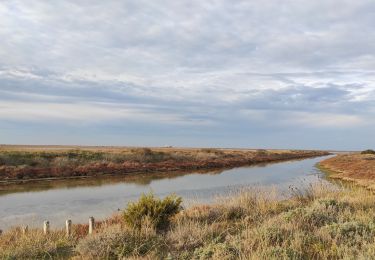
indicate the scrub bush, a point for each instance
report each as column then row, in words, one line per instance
column 369, row 151
column 156, row 211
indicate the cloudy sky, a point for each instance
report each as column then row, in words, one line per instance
column 277, row 74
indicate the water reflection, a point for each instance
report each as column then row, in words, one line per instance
column 77, row 199
column 141, row 179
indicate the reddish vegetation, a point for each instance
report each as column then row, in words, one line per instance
column 358, row 168
column 194, row 160
column 81, row 230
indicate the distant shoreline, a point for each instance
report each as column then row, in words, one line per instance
column 356, row 168
column 22, row 165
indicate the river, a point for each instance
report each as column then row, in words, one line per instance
column 58, row 200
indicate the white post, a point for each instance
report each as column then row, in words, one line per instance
column 91, row 224
column 46, row 227
column 25, row 229
column 68, row 226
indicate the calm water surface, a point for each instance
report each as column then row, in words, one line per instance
column 77, row 200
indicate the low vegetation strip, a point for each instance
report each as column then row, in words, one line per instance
column 358, row 168
column 316, row 223
column 21, row 164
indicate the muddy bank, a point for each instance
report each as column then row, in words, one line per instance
column 357, row 168
column 27, row 166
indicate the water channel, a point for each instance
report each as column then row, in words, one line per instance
column 78, row 199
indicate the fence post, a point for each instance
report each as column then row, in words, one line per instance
column 46, row 227
column 91, row 224
column 25, row 229
column 68, row 226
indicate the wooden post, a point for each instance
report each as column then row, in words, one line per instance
column 46, row 227
column 25, row 229
column 68, row 226
column 91, row 224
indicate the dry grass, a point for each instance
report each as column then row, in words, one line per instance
column 357, row 168
column 318, row 223
column 35, row 245
column 32, row 163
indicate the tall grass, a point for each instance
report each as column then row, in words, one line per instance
column 79, row 157
column 82, row 157
column 29, row 165
column 315, row 223
column 35, row 245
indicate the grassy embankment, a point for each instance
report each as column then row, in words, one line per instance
column 318, row 223
column 25, row 163
column 358, row 168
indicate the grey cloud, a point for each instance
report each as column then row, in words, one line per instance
column 238, row 65
column 121, row 35
column 210, row 106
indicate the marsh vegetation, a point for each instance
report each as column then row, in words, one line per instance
column 25, row 164
column 358, row 168
column 316, row 223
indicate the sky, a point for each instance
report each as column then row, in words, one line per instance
column 215, row 73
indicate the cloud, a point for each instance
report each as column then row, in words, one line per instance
column 132, row 37
column 199, row 67
column 319, row 120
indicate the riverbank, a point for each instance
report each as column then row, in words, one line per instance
column 32, row 164
column 357, row 168
column 33, row 202
column 316, row 223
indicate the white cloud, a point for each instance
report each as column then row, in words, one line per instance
column 88, row 113
column 323, row 120
column 204, row 63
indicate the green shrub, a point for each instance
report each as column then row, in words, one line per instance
column 261, row 151
column 331, row 205
column 280, row 252
column 148, row 155
column 217, row 250
column 369, row 151
column 149, row 208
column 274, row 236
column 351, row 233
column 212, row 151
